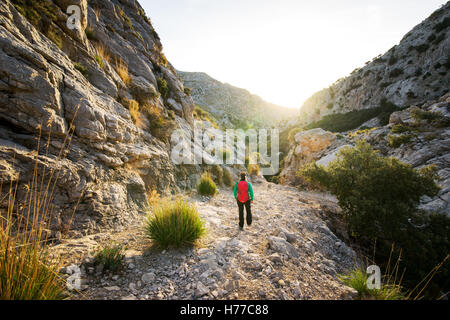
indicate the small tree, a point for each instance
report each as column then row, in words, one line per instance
column 377, row 194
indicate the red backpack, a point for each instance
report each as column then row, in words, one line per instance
column 243, row 192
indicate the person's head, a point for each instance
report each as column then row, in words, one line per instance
column 243, row 176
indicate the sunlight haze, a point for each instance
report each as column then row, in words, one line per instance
column 285, row 50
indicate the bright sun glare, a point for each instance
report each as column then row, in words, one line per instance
column 283, row 50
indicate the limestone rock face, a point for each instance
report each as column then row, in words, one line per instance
column 53, row 79
column 412, row 72
column 231, row 105
column 308, row 146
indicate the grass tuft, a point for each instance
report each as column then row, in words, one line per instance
column 111, row 257
column 174, row 224
column 122, row 71
column 207, row 187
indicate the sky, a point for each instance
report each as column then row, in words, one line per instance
column 282, row 50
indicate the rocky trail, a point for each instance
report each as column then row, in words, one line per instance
column 287, row 253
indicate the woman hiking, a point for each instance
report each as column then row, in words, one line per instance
column 243, row 193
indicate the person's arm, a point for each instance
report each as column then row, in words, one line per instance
column 250, row 191
column 236, row 190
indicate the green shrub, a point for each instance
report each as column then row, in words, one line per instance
column 341, row 122
column 187, row 91
column 53, row 35
column 400, row 128
column 224, row 153
column 90, row 34
column 174, row 224
column 227, row 178
column 35, row 11
column 379, row 197
column 163, row 88
column 217, row 172
column 111, row 257
column 100, row 61
column 418, row 114
column 203, row 115
column 82, row 69
column 161, row 126
column 126, row 19
column 362, row 180
column 206, row 186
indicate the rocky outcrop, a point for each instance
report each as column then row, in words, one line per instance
column 98, row 80
column 419, row 135
column 233, row 106
column 308, row 146
column 412, row 72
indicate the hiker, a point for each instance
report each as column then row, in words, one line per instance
column 243, row 193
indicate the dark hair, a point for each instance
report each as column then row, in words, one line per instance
column 243, row 175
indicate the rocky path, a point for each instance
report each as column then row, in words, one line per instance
column 287, row 253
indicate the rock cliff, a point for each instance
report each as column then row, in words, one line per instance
column 412, row 72
column 109, row 81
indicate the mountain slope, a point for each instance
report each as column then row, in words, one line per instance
column 230, row 105
column 103, row 78
column 412, row 72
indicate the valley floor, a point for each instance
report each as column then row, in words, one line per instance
column 287, row 253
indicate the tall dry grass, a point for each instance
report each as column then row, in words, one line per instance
column 122, row 71
column 27, row 269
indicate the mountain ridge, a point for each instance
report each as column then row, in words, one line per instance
column 230, row 104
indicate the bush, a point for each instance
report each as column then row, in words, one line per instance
column 174, row 224
column 203, row 115
column 187, row 91
column 100, row 61
column 227, row 178
column 224, row 152
column 110, row 257
column 82, row 69
column 133, row 107
column 253, row 169
column 160, row 126
column 163, row 88
column 362, row 181
column 418, row 114
column 206, row 186
column 217, row 172
column 399, row 128
column 90, row 34
column 341, row 122
column 379, row 198
column 395, row 141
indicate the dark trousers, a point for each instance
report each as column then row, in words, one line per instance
column 241, row 213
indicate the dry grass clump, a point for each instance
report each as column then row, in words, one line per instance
column 122, row 71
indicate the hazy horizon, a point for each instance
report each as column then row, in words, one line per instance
column 283, row 51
